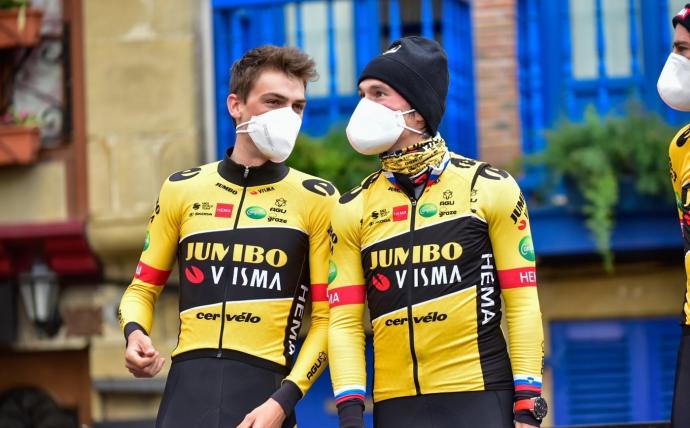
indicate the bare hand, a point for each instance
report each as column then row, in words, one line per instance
column 523, row 425
column 267, row 415
column 141, row 358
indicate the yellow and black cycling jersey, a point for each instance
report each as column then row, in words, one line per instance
column 252, row 249
column 679, row 153
column 432, row 272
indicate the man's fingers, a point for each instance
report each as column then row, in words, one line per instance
column 141, row 358
column 157, row 366
column 146, row 349
column 137, row 359
column 144, row 346
column 246, row 422
column 138, row 373
column 149, row 351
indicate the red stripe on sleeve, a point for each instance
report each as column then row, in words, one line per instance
column 319, row 292
column 150, row 274
column 348, row 295
column 520, row 277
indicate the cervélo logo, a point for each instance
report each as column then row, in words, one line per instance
column 428, row 318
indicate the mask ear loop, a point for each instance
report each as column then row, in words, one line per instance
column 403, row 113
column 243, row 131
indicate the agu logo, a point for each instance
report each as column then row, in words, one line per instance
column 147, row 241
column 381, row 282
column 526, row 249
column 255, row 212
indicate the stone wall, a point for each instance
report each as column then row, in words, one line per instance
column 143, row 103
column 143, row 94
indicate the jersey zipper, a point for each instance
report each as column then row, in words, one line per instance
column 410, row 318
column 225, row 286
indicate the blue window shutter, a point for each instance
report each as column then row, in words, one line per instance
column 613, row 371
column 591, row 373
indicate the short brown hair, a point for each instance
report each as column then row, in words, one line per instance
column 291, row 61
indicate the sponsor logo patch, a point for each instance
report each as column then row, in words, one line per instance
column 224, row 210
column 527, row 249
column 400, row 213
column 255, row 212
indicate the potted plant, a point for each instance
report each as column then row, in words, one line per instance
column 20, row 25
column 20, row 138
column 609, row 165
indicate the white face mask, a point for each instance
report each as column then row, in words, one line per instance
column 274, row 132
column 374, row 128
column 674, row 82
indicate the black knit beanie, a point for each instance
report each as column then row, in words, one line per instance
column 683, row 17
column 417, row 68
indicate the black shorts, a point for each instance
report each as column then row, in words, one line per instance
column 485, row 409
column 680, row 415
column 215, row 393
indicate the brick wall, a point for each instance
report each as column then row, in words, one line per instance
column 495, row 47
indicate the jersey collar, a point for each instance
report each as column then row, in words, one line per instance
column 267, row 173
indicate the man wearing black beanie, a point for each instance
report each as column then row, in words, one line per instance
column 431, row 242
column 674, row 89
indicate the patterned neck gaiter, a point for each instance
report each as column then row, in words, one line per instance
column 416, row 158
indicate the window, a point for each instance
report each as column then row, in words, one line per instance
column 342, row 36
column 613, row 371
column 601, row 53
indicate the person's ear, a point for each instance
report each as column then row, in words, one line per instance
column 419, row 121
column 233, row 102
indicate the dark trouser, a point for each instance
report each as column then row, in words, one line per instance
column 214, row 393
column 485, row 409
column 680, row 415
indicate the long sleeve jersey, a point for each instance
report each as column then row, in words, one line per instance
column 252, row 249
column 679, row 153
column 432, row 272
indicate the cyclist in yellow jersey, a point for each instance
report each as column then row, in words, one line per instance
column 431, row 242
column 674, row 89
column 250, row 237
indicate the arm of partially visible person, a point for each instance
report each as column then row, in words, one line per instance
column 679, row 154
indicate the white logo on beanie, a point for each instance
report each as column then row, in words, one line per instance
column 394, row 49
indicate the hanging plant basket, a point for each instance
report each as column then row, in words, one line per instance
column 12, row 36
column 19, row 144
